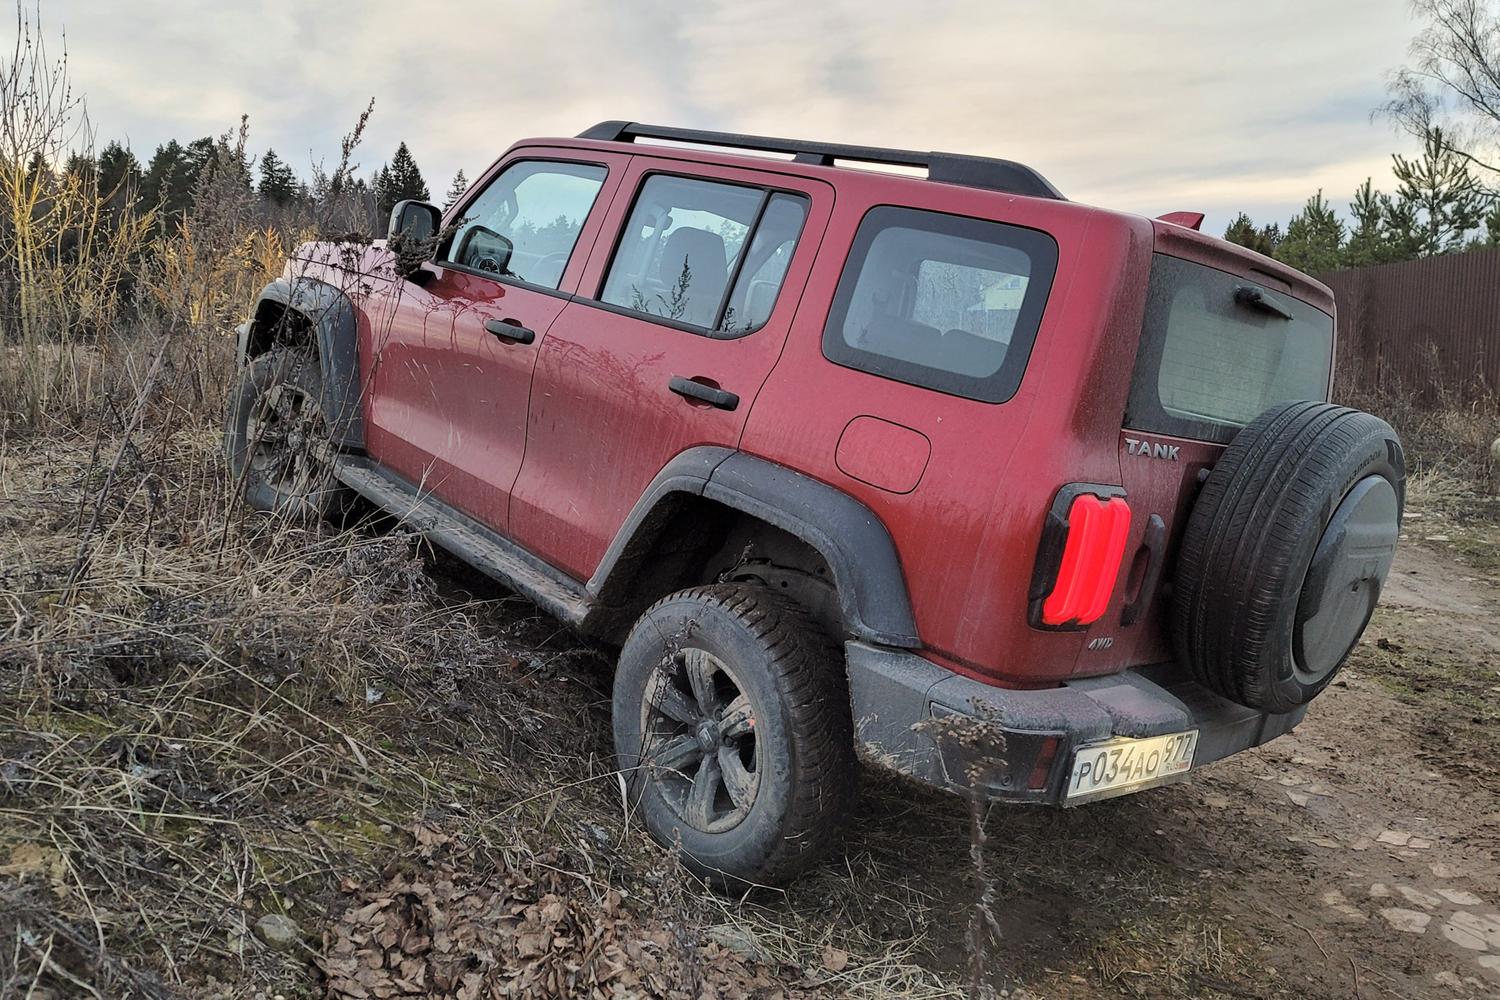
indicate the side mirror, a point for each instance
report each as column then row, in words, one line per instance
column 414, row 221
column 414, row 224
column 484, row 249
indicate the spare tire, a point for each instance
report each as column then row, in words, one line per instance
column 1285, row 553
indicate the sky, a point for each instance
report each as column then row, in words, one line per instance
column 1148, row 106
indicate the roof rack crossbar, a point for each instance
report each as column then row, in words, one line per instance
column 951, row 168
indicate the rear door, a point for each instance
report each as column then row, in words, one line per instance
column 453, row 364
column 680, row 316
column 1217, row 348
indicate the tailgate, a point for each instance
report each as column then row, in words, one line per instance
column 1218, row 347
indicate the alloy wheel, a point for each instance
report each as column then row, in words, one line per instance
column 701, row 745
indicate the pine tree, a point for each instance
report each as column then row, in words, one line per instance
column 1447, row 202
column 82, row 166
column 1491, row 237
column 400, row 180
column 1369, row 242
column 1314, row 238
column 1263, row 241
column 200, row 157
column 1402, row 229
column 278, row 182
column 168, row 185
column 119, row 176
column 456, row 189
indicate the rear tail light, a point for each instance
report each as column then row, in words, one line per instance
column 1078, row 563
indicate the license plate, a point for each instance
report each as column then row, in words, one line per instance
column 1125, row 765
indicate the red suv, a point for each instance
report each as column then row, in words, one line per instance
column 1022, row 498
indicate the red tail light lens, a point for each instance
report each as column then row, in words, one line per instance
column 1095, row 528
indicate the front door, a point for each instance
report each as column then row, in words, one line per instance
column 681, row 314
column 452, row 378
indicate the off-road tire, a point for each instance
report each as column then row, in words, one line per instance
column 794, row 677
column 297, row 371
column 1243, row 591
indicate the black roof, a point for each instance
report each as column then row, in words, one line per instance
column 951, row 168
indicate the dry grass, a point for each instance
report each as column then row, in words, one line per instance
column 1448, row 439
column 207, row 716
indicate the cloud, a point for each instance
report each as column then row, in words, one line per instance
column 1144, row 107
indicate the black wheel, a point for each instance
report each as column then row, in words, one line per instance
column 277, row 437
column 1286, row 551
column 732, row 725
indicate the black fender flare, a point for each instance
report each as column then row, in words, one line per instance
column 334, row 324
column 850, row 537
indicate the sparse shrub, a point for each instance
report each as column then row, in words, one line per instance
column 1448, row 438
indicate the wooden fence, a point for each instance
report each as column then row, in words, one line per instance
column 1422, row 326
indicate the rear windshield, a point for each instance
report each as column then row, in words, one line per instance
column 1217, row 349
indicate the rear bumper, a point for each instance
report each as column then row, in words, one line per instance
column 914, row 717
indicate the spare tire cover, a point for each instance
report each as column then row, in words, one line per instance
column 1286, row 550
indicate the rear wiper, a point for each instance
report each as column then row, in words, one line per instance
column 1256, row 298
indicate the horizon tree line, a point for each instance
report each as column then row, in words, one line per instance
column 169, row 180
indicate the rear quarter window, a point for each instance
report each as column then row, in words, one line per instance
column 1209, row 363
column 941, row 301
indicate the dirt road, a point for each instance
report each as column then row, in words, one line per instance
column 1354, row 858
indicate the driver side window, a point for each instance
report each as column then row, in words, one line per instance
column 525, row 223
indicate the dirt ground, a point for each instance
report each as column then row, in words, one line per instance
column 248, row 764
column 1357, row 857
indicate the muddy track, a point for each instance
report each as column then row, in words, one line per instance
column 1356, row 857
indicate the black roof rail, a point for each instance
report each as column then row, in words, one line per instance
column 951, row 168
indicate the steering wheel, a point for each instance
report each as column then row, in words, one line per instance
column 552, row 261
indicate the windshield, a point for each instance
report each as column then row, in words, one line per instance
column 1217, row 349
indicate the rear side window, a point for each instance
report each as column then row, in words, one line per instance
column 703, row 254
column 941, row 301
column 1216, row 350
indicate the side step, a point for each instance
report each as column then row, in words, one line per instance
column 466, row 538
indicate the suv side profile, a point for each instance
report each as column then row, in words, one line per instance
column 1021, row 498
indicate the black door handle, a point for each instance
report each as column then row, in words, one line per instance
column 507, row 329
column 712, row 395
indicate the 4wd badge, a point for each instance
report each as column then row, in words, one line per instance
column 1148, row 449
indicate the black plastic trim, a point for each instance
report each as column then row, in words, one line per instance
column 852, row 540
column 336, row 330
column 962, row 735
column 1155, row 543
column 688, row 473
column 989, row 173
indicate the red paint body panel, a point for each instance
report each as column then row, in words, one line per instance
column 603, row 422
column 883, row 454
column 447, row 401
column 553, row 443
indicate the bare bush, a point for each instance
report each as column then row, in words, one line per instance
column 1448, row 435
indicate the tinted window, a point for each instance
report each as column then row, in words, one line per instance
column 688, row 242
column 941, row 301
column 525, row 223
column 1209, row 363
column 765, row 265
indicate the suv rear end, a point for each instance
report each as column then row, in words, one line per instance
column 1038, row 493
